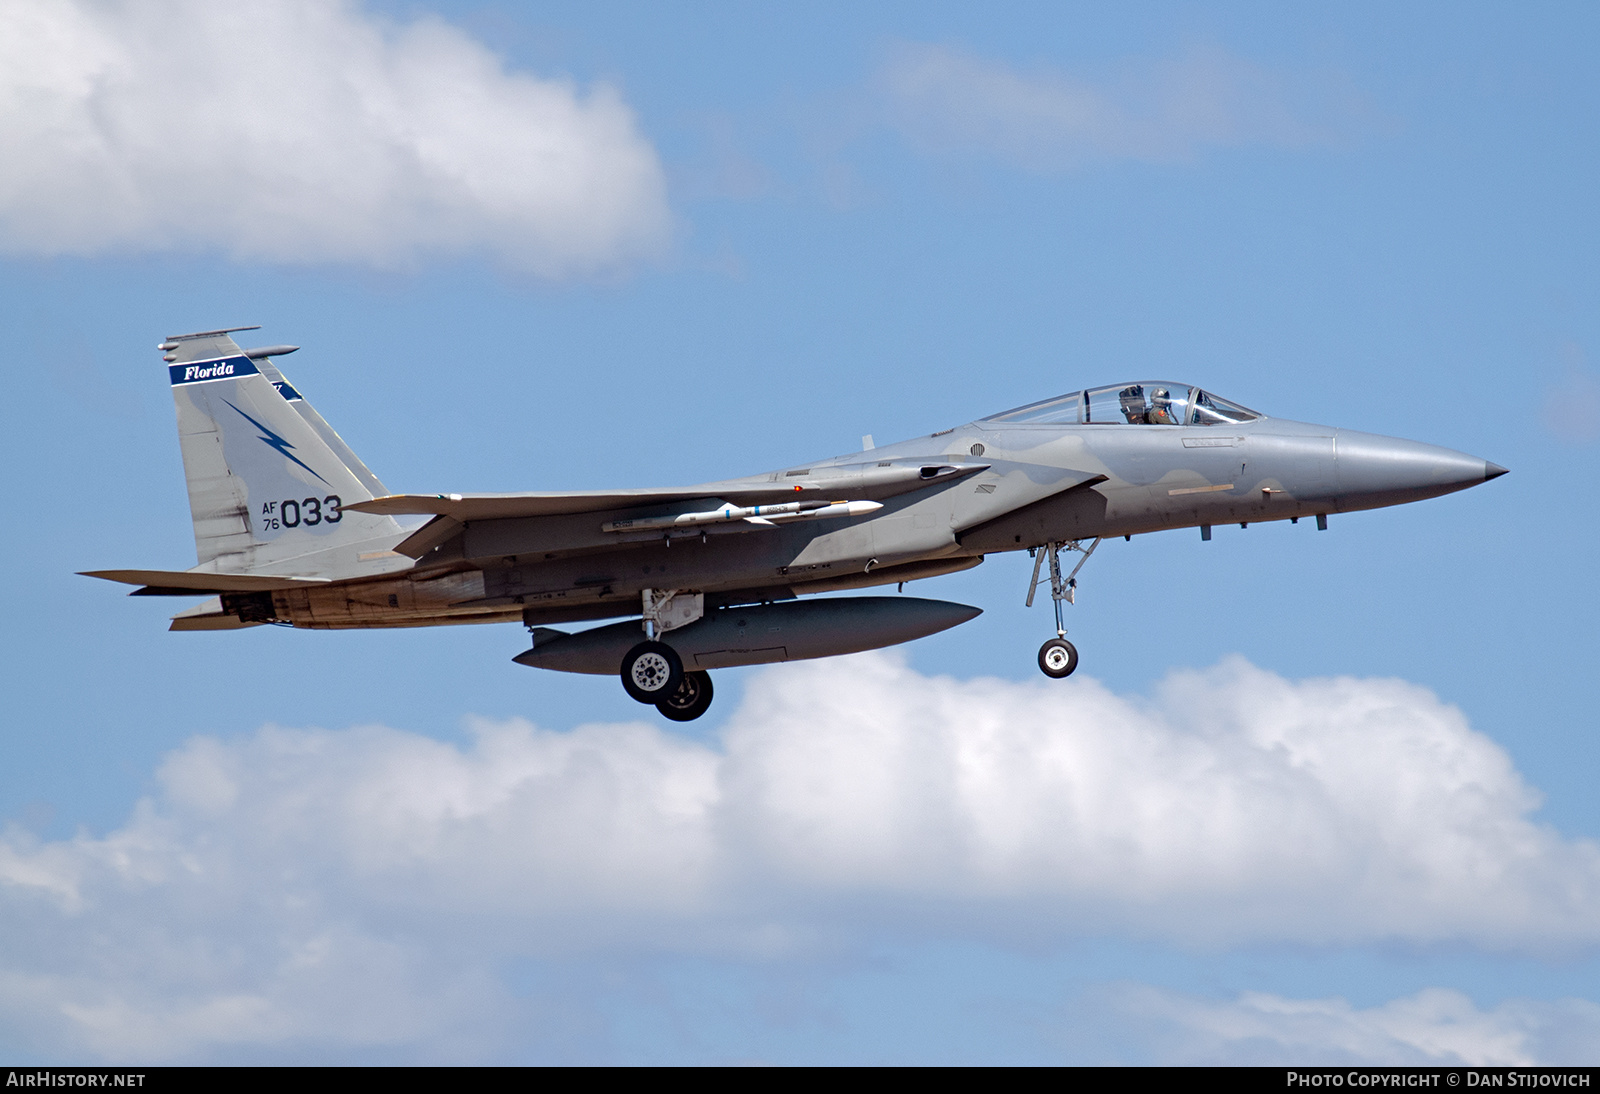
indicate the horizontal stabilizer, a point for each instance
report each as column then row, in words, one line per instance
column 208, row 617
column 209, row 623
column 200, row 582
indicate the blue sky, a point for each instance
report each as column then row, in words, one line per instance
column 1332, row 793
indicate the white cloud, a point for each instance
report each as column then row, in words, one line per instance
column 948, row 100
column 307, row 131
column 1435, row 1026
column 277, row 877
column 1233, row 806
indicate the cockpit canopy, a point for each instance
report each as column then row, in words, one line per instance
column 1149, row 402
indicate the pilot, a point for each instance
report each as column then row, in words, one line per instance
column 1161, row 408
column 1133, row 404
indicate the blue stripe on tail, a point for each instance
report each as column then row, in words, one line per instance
column 200, row 372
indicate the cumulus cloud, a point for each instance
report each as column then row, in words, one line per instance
column 1234, row 805
column 949, row 100
column 1435, row 1026
column 306, row 131
column 275, row 878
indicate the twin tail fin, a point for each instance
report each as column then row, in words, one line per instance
column 268, row 478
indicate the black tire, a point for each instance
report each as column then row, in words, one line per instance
column 1057, row 658
column 651, row 671
column 692, row 699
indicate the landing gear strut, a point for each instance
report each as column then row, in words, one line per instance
column 1058, row 657
column 652, row 672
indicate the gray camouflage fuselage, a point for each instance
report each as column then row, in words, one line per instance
column 1032, row 484
column 292, row 528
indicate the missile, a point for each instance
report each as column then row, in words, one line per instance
column 757, row 634
column 755, row 514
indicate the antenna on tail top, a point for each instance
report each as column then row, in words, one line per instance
column 202, row 334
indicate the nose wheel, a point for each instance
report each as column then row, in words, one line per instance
column 1058, row 657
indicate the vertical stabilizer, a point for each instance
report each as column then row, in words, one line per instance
column 304, row 408
column 268, row 478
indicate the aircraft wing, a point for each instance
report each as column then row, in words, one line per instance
column 465, row 507
column 201, row 582
column 849, row 482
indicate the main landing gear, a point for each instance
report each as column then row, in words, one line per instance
column 1058, row 657
column 692, row 699
column 652, row 672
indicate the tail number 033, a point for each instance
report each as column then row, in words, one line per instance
column 307, row 511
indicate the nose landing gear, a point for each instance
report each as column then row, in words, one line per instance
column 1058, row 657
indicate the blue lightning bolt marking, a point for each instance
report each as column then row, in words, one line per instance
column 272, row 440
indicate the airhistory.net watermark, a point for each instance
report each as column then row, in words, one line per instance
column 46, row 1077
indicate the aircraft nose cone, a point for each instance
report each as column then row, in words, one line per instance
column 1389, row 469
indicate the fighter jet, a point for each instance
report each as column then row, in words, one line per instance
column 291, row 527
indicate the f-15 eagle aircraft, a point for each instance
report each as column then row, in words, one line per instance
column 292, row 528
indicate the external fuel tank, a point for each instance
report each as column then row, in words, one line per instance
column 757, row 635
